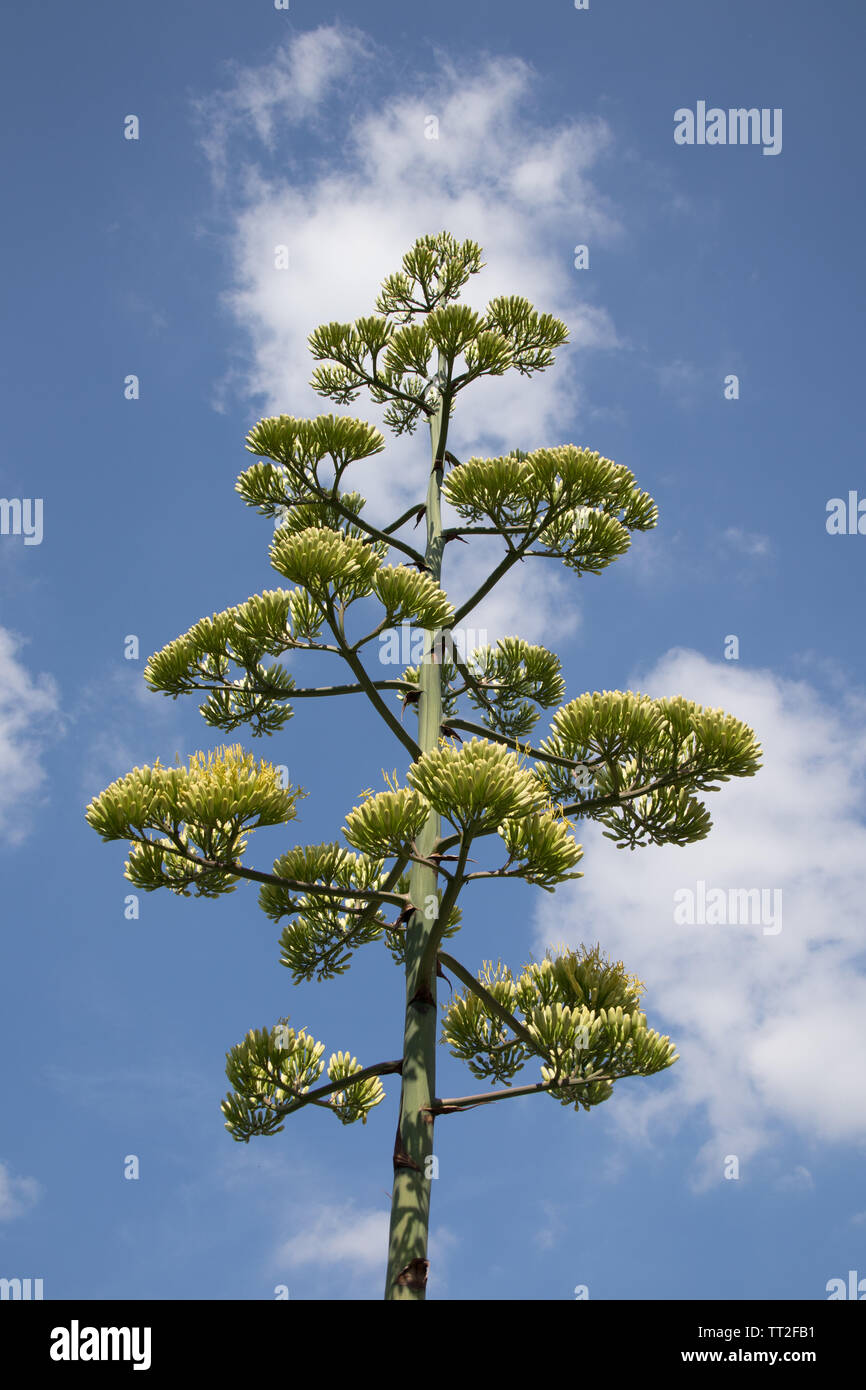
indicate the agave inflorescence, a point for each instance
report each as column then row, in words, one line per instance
column 635, row 765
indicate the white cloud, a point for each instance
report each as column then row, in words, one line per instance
column 340, row 1235
column 350, row 228
column 29, row 717
column 769, row 1027
column 535, row 600
column 17, row 1195
column 520, row 188
column 747, row 542
column 346, row 1236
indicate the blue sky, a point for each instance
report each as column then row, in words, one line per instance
column 155, row 257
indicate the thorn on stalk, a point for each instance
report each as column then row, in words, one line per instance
column 402, row 1160
column 411, row 698
column 440, row 975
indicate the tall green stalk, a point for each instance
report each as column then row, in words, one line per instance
column 413, row 1148
column 632, row 764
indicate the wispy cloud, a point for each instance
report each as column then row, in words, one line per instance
column 30, row 718
column 800, row 1180
column 751, row 543
column 349, row 1238
column 17, row 1195
column 289, row 88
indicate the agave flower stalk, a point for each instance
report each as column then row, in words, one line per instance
column 498, row 804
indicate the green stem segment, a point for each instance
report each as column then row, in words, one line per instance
column 413, row 1148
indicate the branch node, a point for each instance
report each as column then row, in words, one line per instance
column 423, row 997
column 414, row 1275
